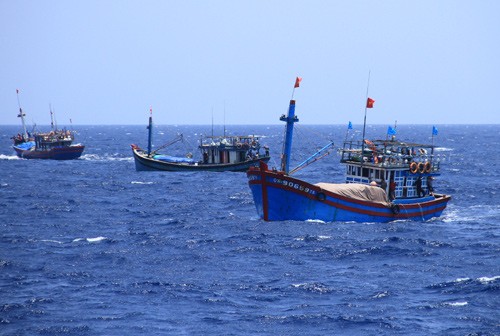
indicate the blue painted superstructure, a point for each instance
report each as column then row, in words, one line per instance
column 381, row 185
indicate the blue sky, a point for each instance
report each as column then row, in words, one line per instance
column 107, row 62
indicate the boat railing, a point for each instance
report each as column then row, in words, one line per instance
column 391, row 155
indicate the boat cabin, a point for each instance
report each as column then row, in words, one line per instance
column 46, row 141
column 231, row 149
column 412, row 166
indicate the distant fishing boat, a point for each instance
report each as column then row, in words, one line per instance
column 218, row 153
column 409, row 168
column 55, row 145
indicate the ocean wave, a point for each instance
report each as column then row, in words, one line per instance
column 467, row 285
column 114, row 157
column 380, row 295
column 90, row 240
column 456, row 304
column 139, row 182
column 51, row 241
column 312, row 238
column 314, row 287
column 315, row 221
column 9, row 157
column 486, row 280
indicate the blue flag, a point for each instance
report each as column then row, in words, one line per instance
column 391, row 131
column 434, row 130
column 349, row 126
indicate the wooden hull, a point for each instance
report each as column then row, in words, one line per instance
column 281, row 197
column 145, row 163
column 56, row 153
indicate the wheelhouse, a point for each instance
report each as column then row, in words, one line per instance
column 385, row 160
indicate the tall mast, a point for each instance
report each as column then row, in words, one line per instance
column 212, row 122
column 224, row 119
column 290, row 120
column 364, row 123
column 51, row 117
column 150, row 130
column 21, row 115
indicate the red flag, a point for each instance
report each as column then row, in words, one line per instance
column 297, row 82
column 369, row 103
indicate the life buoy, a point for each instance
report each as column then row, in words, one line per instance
column 427, row 167
column 395, row 208
column 238, row 145
column 421, row 167
column 413, row 167
column 321, row 196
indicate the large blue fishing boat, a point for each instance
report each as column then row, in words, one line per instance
column 218, row 154
column 56, row 144
column 365, row 196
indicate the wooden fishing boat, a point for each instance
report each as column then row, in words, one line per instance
column 218, row 154
column 54, row 145
column 365, row 196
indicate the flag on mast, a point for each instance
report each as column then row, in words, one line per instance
column 369, row 103
column 349, row 126
column 297, row 82
column 434, row 130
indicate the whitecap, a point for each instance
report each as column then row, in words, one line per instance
column 462, row 279
column 315, row 221
column 9, row 157
column 90, row 157
column 90, row 240
column 456, row 304
column 139, row 182
column 486, row 280
column 380, row 295
column 51, row 241
column 96, row 239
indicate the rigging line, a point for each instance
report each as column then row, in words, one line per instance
column 308, row 140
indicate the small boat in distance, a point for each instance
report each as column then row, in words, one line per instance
column 410, row 168
column 54, row 145
column 218, row 154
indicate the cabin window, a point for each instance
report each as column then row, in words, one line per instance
column 365, row 172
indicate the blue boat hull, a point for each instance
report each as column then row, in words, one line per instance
column 280, row 197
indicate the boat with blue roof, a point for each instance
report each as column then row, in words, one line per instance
column 217, row 154
column 57, row 144
column 385, row 180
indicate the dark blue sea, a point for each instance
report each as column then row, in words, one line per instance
column 92, row 247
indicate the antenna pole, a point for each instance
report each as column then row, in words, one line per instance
column 212, row 122
column 51, row 117
column 364, row 123
column 150, row 130
column 21, row 115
